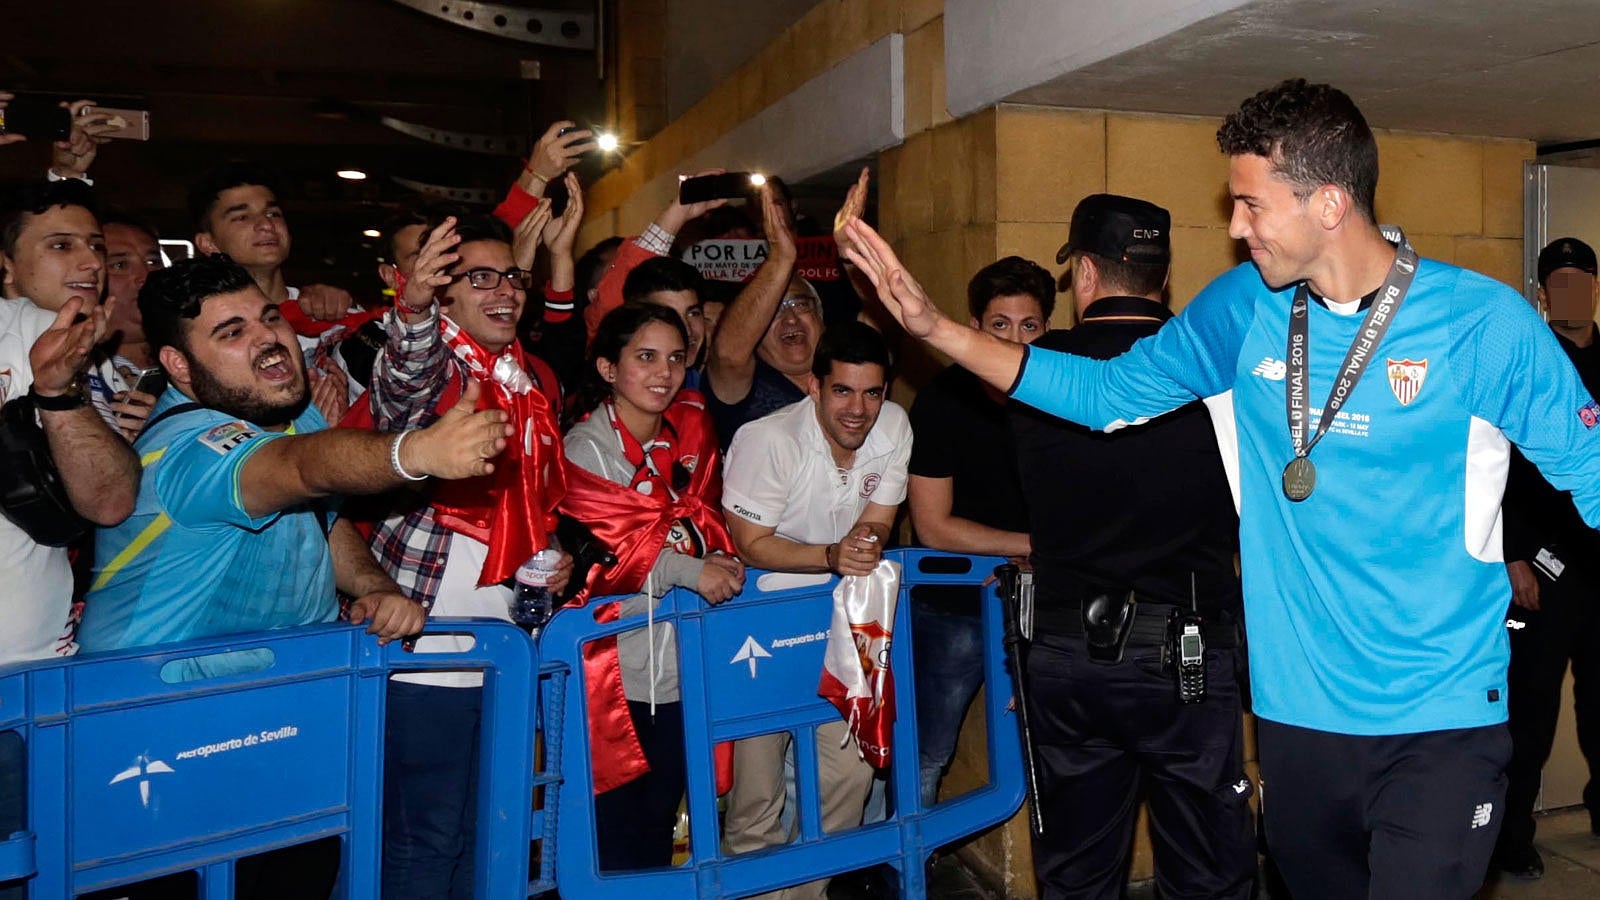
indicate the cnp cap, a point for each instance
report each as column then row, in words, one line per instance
column 1566, row 253
column 1120, row 228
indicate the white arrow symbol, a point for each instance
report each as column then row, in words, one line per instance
column 751, row 651
column 142, row 769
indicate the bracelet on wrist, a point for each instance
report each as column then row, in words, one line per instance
column 829, row 556
column 403, row 306
column 73, row 398
column 394, row 458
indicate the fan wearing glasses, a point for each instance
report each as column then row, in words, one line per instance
column 455, row 547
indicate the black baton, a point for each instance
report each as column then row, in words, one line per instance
column 1016, row 645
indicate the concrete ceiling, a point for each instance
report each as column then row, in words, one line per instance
column 1525, row 68
column 707, row 40
column 300, row 84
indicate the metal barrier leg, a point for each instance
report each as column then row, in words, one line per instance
column 216, row 881
column 361, row 856
column 552, row 715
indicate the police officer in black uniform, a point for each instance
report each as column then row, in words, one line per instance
column 1134, row 539
column 1553, row 559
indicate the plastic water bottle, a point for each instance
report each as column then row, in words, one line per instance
column 532, row 602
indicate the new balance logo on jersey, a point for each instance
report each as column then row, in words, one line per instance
column 1481, row 814
column 1270, row 369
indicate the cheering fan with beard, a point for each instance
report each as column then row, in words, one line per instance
column 232, row 530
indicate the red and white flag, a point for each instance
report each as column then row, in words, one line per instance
column 855, row 667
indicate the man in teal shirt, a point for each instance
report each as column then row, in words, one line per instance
column 234, row 528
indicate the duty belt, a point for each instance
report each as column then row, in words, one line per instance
column 1148, row 629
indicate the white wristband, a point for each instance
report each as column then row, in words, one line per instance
column 394, row 458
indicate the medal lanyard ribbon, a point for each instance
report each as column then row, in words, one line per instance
column 1357, row 359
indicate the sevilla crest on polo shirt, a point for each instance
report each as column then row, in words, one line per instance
column 1406, row 377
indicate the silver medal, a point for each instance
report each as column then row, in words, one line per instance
column 1299, row 479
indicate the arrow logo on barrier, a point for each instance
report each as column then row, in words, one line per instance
column 142, row 769
column 751, row 651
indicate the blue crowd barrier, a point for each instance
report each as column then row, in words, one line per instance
column 750, row 667
column 134, row 773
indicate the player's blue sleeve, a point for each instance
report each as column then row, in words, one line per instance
column 1193, row 355
column 197, row 478
column 1516, row 377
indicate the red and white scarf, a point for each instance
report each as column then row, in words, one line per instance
column 652, row 462
column 855, row 666
column 511, row 509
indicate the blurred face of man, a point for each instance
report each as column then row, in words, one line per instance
column 131, row 255
column 407, row 244
column 711, row 311
column 60, row 256
column 247, row 224
column 242, row 359
column 689, row 309
column 791, row 338
column 606, row 257
column 1569, row 294
column 1018, row 318
column 489, row 315
column 1277, row 226
column 848, row 401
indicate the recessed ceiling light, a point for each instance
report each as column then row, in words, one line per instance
column 352, row 174
column 372, row 233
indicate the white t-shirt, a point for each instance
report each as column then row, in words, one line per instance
column 37, row 598
column 780, row 473
column 459, row 595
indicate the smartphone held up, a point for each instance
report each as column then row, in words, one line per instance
column 39, row 117
column 726, row 186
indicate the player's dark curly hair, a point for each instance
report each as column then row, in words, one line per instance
column 204, row 194
column 35, row 198
column 175, row 293
column 660, row 273
column 854, row 343
column 1313, row 134
column 1007, row 276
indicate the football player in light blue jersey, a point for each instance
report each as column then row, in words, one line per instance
column 1374, row 398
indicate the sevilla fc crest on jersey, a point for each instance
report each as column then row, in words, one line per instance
column 1406, row 377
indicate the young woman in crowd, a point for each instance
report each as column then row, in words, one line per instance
column 643, row 473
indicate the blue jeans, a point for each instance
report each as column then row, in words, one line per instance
column 947, row 651
column 430, row 791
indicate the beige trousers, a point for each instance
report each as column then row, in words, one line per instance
column 756, row 801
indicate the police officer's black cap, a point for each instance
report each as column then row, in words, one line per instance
column 1566, row 253
column 1120, row 228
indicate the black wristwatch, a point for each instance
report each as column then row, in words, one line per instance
column 75, row 397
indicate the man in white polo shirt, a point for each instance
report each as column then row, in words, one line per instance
column 813, row 487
